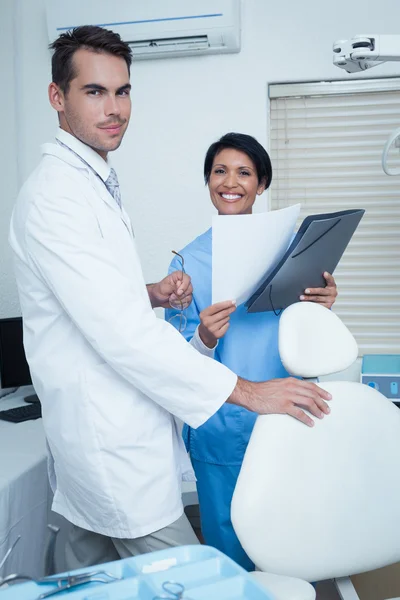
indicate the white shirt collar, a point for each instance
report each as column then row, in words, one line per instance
column 89, row 155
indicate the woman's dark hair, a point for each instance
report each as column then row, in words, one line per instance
column 243, row 143
column 87, row 37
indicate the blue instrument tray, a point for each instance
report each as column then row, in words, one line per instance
column 205, row 573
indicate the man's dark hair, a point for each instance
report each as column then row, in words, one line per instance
column 86, row 37
column 243, row 143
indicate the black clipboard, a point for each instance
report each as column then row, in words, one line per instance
column 317, row 247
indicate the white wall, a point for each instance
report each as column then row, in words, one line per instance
column 180, row 106
column 8, row 157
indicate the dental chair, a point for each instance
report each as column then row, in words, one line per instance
column 324, row 502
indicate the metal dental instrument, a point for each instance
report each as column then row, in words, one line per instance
column 67, row 582
column 174, row 591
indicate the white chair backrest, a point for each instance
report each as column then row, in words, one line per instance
column 323, row 502
column 313, row 341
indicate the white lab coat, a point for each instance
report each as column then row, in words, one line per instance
column 109, row 374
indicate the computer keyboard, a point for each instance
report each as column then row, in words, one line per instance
column 22, row 413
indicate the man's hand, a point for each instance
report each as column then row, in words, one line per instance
column 214, row 322
column 174, row 291
column 282, row 396
column 325, row 296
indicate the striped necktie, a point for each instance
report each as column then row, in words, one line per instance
column 113, row 186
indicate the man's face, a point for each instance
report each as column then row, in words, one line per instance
column 97, row 106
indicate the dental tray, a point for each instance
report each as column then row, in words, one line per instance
column 202, row 572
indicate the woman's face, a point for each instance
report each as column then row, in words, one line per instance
column 233, row 183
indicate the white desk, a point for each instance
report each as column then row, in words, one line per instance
column 24, row 491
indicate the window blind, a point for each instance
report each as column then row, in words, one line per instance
column 326, row 145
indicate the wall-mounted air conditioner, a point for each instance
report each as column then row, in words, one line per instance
column 155, row 28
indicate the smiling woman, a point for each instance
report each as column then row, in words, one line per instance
column 237, row 169
column 234, row 183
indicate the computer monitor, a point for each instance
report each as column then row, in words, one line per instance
column 14, row 369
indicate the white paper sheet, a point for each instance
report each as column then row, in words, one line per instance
column 245, row 249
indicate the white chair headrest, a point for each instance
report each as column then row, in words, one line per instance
column 313, row 341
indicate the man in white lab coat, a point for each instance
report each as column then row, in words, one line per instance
column 109, row 374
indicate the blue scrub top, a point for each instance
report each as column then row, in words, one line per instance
column 249, row 348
